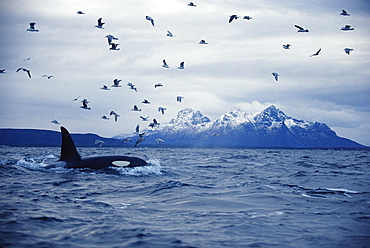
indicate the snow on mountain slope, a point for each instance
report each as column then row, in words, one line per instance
column 235, row 128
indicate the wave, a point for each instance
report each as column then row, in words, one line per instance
column 321, row 192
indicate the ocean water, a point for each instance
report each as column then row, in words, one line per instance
column 187, row 198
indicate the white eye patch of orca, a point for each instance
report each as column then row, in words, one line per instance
column 121, row 163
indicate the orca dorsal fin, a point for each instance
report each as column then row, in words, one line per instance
column 68, row 149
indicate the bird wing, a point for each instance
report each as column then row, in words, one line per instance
column 137, row 128
column 29, row 73
column 231, row 18
column 298, row 27
column 150, row 19
column 344, row 12
column 109, row 39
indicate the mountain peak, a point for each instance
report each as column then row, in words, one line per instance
column 232, row 118
column 271, row 114
column 189, row 117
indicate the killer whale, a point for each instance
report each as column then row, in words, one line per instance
column 70, row 158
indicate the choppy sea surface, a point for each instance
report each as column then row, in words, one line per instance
column 187, row 198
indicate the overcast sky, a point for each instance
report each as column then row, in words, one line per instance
column 233, row 69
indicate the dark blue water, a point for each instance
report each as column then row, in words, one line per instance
column 187, row 198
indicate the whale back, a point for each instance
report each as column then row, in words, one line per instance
column 68, row 149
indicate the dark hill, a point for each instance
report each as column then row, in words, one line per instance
column 35, row 137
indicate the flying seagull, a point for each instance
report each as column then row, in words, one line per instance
column 179, row 98
column 29, row 58
column 247, row 17
column 165, row 64
column 317, row 53
column 115, row 115
column 132, row 87
column 104, row 117
column 181, row 65
column 276, row 75
column 48, row 76
column 116, row 83
column 158, row 141
column 347, row 28
column 104, row 87
column 114, row 46
column 137, row 129
column 347, row 50
column 191, row 4
column 84, row 104
column 145, row 101
column 126, row 140
column 144, row 118
column 158, row 85
column 110, row 38
column 203, row 42
column 169, row 34
column 232, row 17
column 100, row 23
column 32, row 27
column 136, row 108
column 99, row 142
column 150, row 19
column 154, row 123
column 161, row 109
column 344, row 13
column 301, row 30
column 2, row 71
column 55, row 122
column 80, row 12
column 287, row 46
column 26, row 70
column 140, row 139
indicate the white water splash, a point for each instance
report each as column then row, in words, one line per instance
column 30, row 163
column 153, row 167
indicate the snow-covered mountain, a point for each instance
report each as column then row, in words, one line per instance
column 235, row 128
